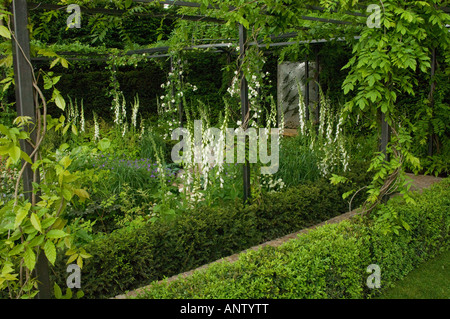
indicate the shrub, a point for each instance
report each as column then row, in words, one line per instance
column 130, row 258
column 330, row 261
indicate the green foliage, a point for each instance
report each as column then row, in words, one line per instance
column 35, row 225
column 298, row 163
column 69, row 294
column 328, row 262
column 388, row 66
column 385, row 70
column 135, row 255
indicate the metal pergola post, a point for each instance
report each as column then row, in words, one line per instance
column 23, row 76
column 244, row 107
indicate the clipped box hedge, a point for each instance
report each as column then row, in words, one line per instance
column 131, row 258
column 330, row 261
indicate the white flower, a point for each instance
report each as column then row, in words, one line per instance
column 239, row 123
column 162, row 97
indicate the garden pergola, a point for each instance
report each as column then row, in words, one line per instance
column 24, row 82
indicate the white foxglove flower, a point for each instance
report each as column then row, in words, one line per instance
column 96, row 128
column 82, row 122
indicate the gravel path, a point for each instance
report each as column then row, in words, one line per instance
column 419, row 182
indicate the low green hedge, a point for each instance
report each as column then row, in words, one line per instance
column 130, row 258
column 330, row 261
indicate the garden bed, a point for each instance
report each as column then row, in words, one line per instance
column 328, row 262
column 132, row 257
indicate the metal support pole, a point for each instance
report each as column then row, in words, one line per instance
column 25, row 107
column 244, row 107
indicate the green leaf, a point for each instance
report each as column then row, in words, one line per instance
column 15, row 154
column 48, row 222
column 68, row 294
column 80, row 262
column 36, row 222
column 65, row 161
column 55, row 61
column 56, row 233
column 67, row 194
column 16, row 250
column 50, row 251
column 37, row 241
column 80, row 294
column 72, row 258
column 59, row 100
column 81, row 193
column 29, row 258
column 21, row 214
column 57, row 290
column 4, row 32
column 56, row 79
column 347, row 194
column 26, row 158
column 104, row 144
column 64, row 63
column 74, row 130
column 65, row 129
